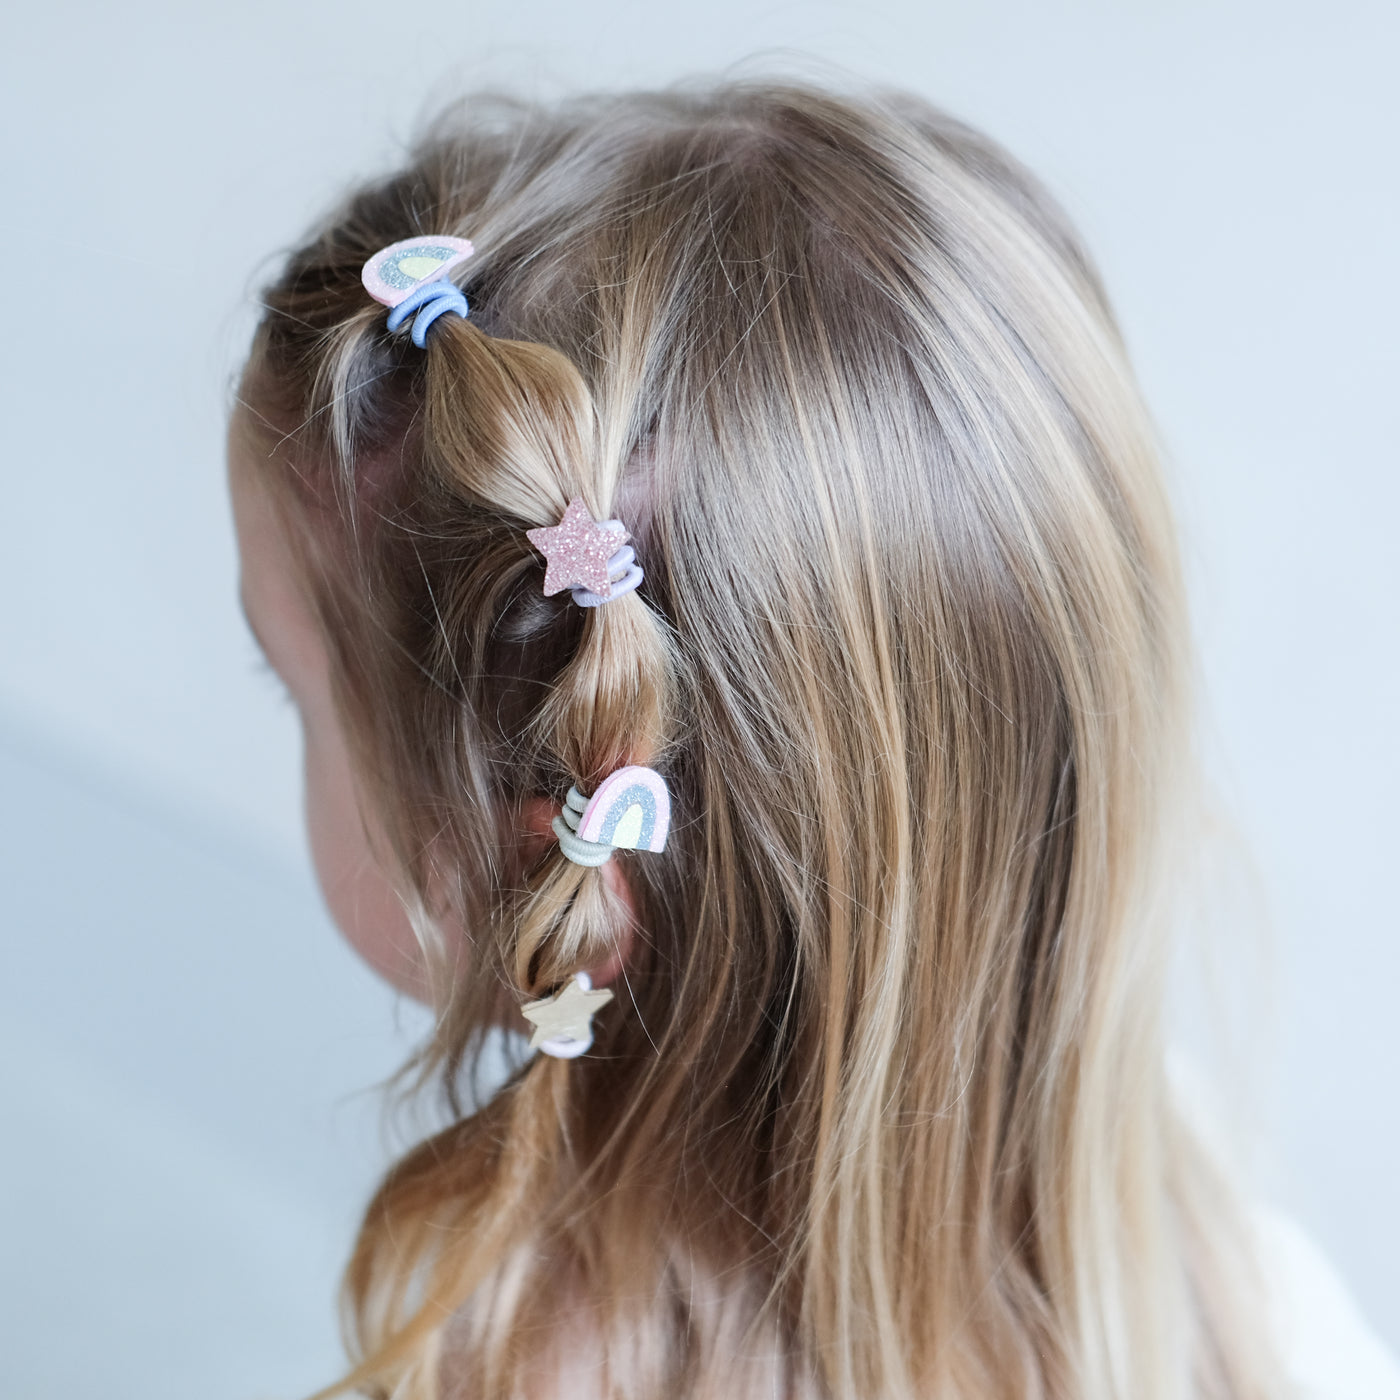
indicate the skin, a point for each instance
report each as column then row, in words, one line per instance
column 343, row 833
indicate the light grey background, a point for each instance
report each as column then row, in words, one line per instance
column 185, row 1140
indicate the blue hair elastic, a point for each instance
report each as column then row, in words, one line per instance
column 430, row 300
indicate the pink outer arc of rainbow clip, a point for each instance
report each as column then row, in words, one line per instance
column 388, row 295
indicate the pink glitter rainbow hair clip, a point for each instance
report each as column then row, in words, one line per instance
column 410, row 276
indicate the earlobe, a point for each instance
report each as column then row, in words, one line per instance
column 607, row 971
column 536, row 814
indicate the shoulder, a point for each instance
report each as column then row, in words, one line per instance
column 1329, row 1350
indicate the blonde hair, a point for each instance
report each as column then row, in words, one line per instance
column 880, row 1110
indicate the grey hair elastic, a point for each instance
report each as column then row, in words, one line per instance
column 565, row 826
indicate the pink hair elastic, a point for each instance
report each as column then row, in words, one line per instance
column 411, row 276
column 589, row 557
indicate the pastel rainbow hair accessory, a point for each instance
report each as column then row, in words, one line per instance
column 410, row 276
column 631, row 811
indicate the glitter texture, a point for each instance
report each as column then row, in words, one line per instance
column 608, row 817
column 577, row 550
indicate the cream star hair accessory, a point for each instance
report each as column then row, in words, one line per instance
column 591, row 557
column 564, row 1022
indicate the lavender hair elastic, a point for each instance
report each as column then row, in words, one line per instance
column 624, row 574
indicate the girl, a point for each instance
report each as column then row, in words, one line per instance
column 787, row 458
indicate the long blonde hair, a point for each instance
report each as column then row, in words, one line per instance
column 880, row 1110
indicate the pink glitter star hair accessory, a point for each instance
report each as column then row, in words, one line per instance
column 590, row 557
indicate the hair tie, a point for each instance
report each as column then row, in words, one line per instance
column 589, row 557
column 631, row 811
column 410, row 276
column 624, row 574
column 430, row 301
column 565, row 827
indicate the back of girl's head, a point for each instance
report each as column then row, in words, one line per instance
column 879, row 1107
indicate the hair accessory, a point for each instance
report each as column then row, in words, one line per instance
column 564, row 1022
column 624, row 574
column 590, row 557
column 631, row 811
column 409, row 276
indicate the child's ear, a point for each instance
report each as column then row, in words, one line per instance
column 536, row 818
column 537, row 833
